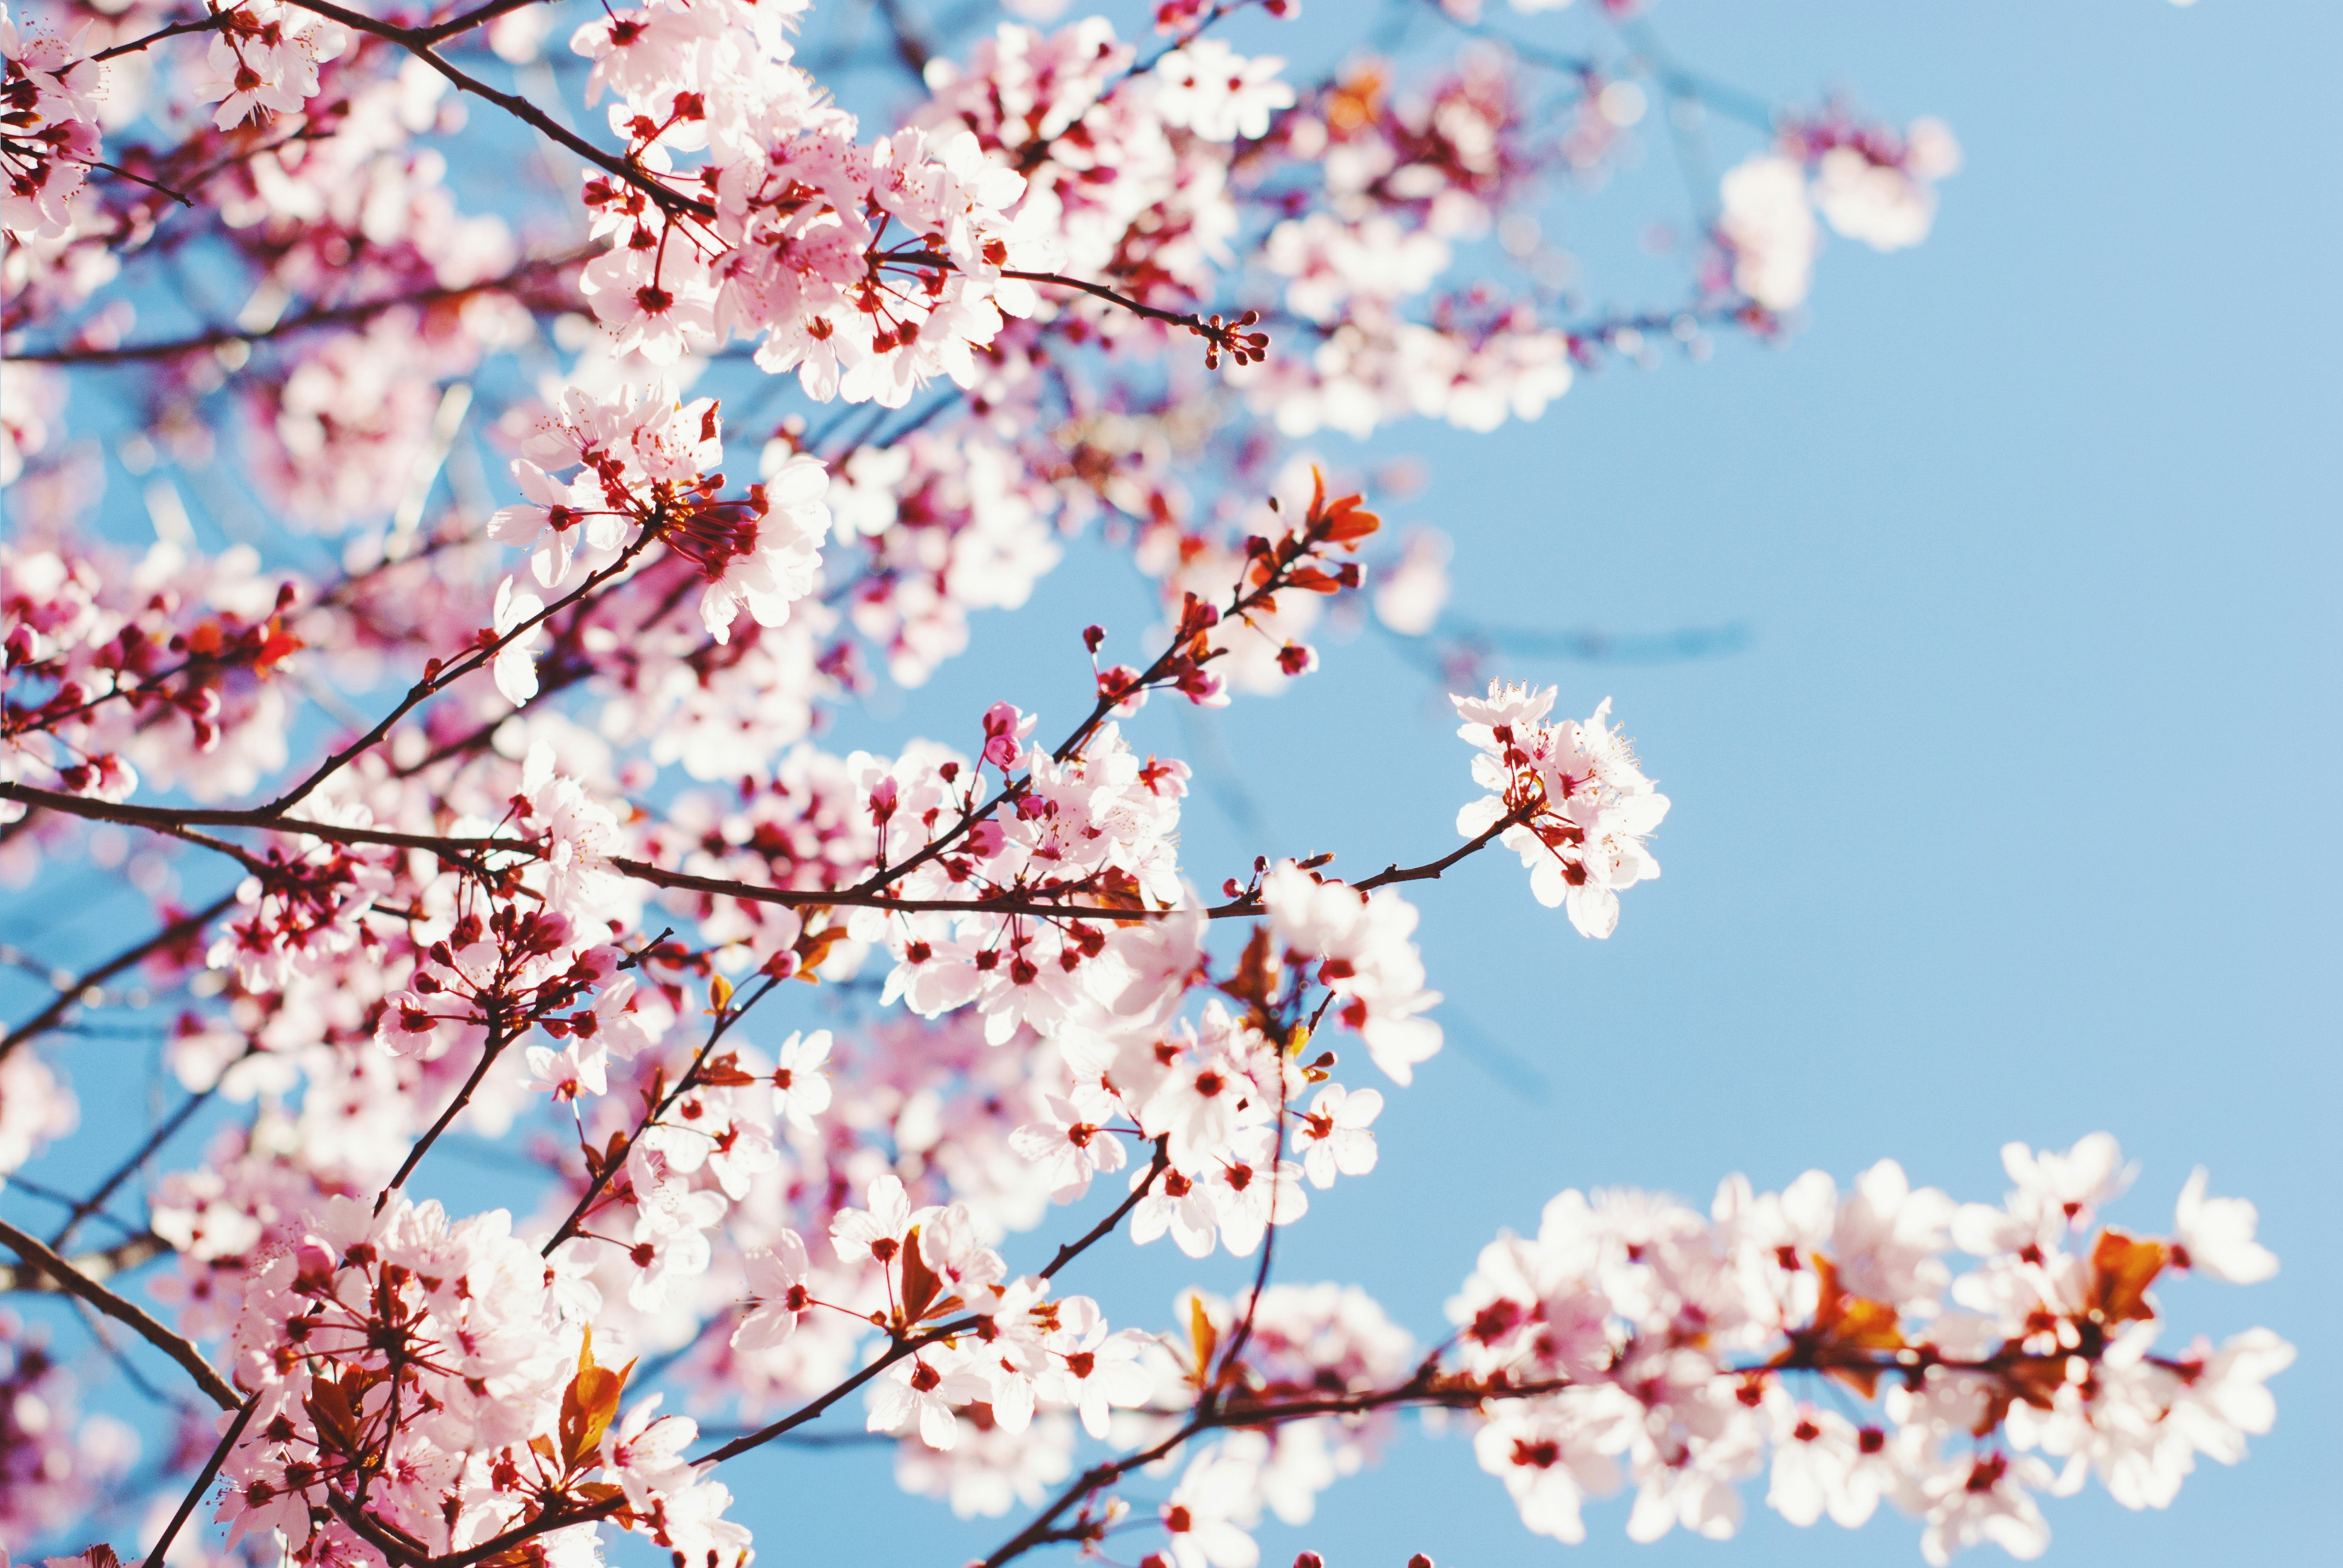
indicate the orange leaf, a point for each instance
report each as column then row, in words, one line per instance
column 1202, row 1335
column 278, row 644
column 1347, row 522
column 1849, row 1330
column 2037, row 1380
column 724, row 1072
column 813, row 951
column 2122, row 1267
column 589, row 1405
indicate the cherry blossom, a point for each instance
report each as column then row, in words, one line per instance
column 1768, row 230
column 1569, row 798
column 801, row 1088
column 498, row 769
column 52, row 92
column 263, row 60
column 2216, row 1236
column 1334, row 1136
column 1209, row 89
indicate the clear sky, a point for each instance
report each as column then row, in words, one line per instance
column 2016, row 817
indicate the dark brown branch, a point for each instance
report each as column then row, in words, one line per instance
column 562, row 1519
column 120, row 1258
column 431, row 684
column 814, row 1409
column 1105, row 1228
column 220, row 1450
column 36, row 1252
column 1221, row 334
column 120, row 173
column 330, row 316
column 1431, row 870
column 600, row 1177
column 910, row 47
column 164, row 820
column 479, row 16
column 202, row 24
column 416, row 42
column 491, row 1049
column 1038, row 1532
column 1425, row 1388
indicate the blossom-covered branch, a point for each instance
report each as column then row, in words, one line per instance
column 519, row 501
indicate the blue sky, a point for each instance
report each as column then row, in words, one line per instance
column 2015, row 819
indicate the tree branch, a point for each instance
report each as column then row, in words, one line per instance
column 36, row 1252
column 118, row 1259
column 220, row 1450
column 328, row 316
column 417, row 41
column 477, row 17
column 162, row 1134
column 164, row 820
column 201, row 25
column 601, row 1177
column 490, row 1049
column 1105, row 1228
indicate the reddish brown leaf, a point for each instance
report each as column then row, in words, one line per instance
column 336, row 1408
column 1255, row 981
column 2122, row 1267
column 922, row 1284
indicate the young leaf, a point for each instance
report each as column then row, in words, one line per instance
column 922, row 1284
column 2122, row 1267
column 589, row 1405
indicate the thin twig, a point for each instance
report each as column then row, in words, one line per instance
column 128, row 1167
column 493, row 1047
column 220, row 1450
column 416, row 42
column 103, row 1264
column 177, row 931
column 600, row 1177
column 201, row 25
column 328, row 316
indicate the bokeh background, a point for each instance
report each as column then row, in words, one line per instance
column 2013, row 815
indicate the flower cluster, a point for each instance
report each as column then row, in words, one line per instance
column 49, row 129
column 1869, row 182
column 263, row 60
column 411, row 1385
column 869, row 270
column 1686, row 1353
column 1567, row 797
column 648, row 467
